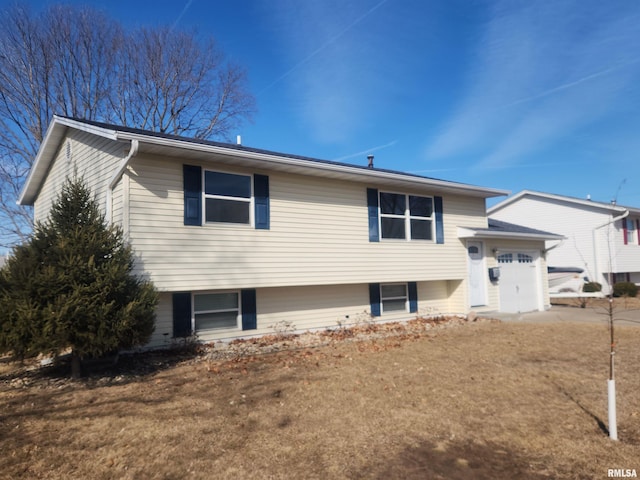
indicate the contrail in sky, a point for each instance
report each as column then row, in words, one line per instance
column 184, row 10
column 323, row 46
column 364, row 152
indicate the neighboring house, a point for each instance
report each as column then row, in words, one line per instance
column 239, row 240
column 601, row 238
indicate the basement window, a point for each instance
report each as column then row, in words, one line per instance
column 393, row 297
column 216, row 310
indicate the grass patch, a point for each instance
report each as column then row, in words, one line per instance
column 481, row 400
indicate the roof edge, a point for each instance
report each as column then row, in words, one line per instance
column 275, row 157
column 60, row 124
column 562, row 198
column 51, row 141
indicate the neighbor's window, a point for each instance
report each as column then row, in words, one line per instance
column 406, row 216
column 393, row 297
column 630, row 226
column 216, row 310
column 227, row 197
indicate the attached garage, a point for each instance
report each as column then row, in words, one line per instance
column 507, row 269
column 520, row 289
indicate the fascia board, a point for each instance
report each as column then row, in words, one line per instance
column 464, row 232
column 559, row 198
column 316, row 166
column 54, row 135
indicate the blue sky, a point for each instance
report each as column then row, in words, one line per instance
column 540, row 95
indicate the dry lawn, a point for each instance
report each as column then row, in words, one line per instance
column 622, row 305
column 484, row 400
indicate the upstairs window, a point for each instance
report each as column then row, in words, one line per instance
column 630, row 235
column 406, row 216
column 227, row 197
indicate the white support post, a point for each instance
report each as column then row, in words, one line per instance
column 613, row 427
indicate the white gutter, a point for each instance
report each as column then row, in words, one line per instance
column 117, row 175
column 595, row 246
column 465, row 232
column 308, row 164
column 554, row 246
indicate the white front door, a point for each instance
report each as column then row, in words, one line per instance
column 477, row 274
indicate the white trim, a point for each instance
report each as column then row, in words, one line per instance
column 250, row 200
column 407, row 217
column 483, row 272
column 467, row 232
column 220, row 329
column 314, row 164
column 560, row 198
column 260, row 159
column 405, row 297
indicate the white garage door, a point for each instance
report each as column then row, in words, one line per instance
column 518, row 281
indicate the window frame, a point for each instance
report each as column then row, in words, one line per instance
column 405, row 297
column 630, row 231
column 407, row 217
column 250, row 201
column 194, row 313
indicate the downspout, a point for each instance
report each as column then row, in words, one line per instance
column 116, row 176
column 595, row 246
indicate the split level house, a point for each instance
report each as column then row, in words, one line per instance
column 601, row 238
column 239, row 240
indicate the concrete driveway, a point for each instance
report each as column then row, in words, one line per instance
column 572, row 314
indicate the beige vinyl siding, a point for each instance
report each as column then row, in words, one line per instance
column 92, row 158
column 440, row 298
column 458, row 297
column 318, row 235
column 163, row 333
column 309, row 308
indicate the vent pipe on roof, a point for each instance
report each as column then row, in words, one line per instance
column 239, row 140
column 370, row 158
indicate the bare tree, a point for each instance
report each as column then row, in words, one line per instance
column 78, row 62
column 173, row 84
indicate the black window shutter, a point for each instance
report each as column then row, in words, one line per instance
column 372, row 205
column 182, row 314
column 413, row 297
column 192, row 177
column 374, row 299
column 437, row 206
column 261, row 201
column 249, row 311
